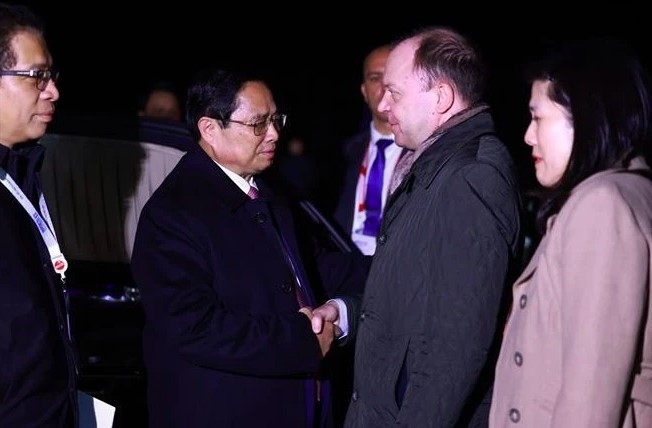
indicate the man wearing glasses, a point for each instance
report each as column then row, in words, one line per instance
column 37, row 368
column 226, row 292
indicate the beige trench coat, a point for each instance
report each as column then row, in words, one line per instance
column 577, row 349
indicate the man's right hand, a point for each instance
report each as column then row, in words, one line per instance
column 328, row 312
column 327, row 333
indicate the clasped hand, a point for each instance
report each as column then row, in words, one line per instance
column 324, row 324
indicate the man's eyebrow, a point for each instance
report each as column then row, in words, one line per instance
column 261, row 116
column 39, row 66
column 390, row 87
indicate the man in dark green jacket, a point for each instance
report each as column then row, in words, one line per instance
column 429, row 324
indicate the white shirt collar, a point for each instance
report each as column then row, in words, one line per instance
column 243, row 184
column 376, row 135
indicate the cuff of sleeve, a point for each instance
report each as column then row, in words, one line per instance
column 343, row 319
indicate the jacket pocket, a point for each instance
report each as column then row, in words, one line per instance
column 383, row 370
column 640, row 412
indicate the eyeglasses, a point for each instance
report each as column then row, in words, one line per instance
column 277, row 119
column 42, row 77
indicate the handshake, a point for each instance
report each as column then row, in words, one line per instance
column 325, row 324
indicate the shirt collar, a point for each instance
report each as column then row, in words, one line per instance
column 243, row 184
column 22, row 160
column 376, row 135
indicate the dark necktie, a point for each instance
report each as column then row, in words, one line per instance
column 374, row 193
column 298, row 289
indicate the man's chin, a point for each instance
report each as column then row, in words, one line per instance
column 264, row 163
column 267, row 158
column 37, row 130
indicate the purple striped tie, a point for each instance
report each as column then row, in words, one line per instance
column 253, row 193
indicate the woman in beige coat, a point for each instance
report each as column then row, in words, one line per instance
column 577, row 349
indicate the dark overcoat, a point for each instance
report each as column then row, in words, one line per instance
column 224, row 343
column 430, row 320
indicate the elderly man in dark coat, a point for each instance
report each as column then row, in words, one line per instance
column 226, row 293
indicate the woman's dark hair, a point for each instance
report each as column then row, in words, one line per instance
column 606, row 89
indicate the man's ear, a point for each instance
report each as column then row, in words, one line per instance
column 363, row 91
column 209, row 127
column 445, row 97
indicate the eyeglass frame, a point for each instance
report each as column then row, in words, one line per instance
column 278, row 120
column 42, row 76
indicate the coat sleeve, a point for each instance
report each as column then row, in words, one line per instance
column 169, row 265
column 479, row 223
column 603, row 265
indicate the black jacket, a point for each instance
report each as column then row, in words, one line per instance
column 434, row 299
column 224, row 343
column 37, row 375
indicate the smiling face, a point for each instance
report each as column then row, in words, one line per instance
column 235, row 145
column 550, row 134
column 25, row 111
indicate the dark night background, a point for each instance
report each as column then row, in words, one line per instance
column 311, row 52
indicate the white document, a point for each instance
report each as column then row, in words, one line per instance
column 93, row 412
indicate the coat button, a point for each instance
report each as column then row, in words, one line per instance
column 514, row 415
column 354, row 396
column 362, row 316
column 382, row 239
column 522, row 301
column 260, row 217
column 286, row 287
column 518, row 359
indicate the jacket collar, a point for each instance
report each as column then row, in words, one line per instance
column 467, row 126
column 635, row 164
column 222, row 186
column 22, row 162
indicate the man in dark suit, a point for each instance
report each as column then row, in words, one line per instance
column 37, row 360
column 227, row 339
column 360, row 152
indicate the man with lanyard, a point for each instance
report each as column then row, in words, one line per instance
column 37, row 359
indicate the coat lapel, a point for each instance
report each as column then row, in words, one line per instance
column 282, row 218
